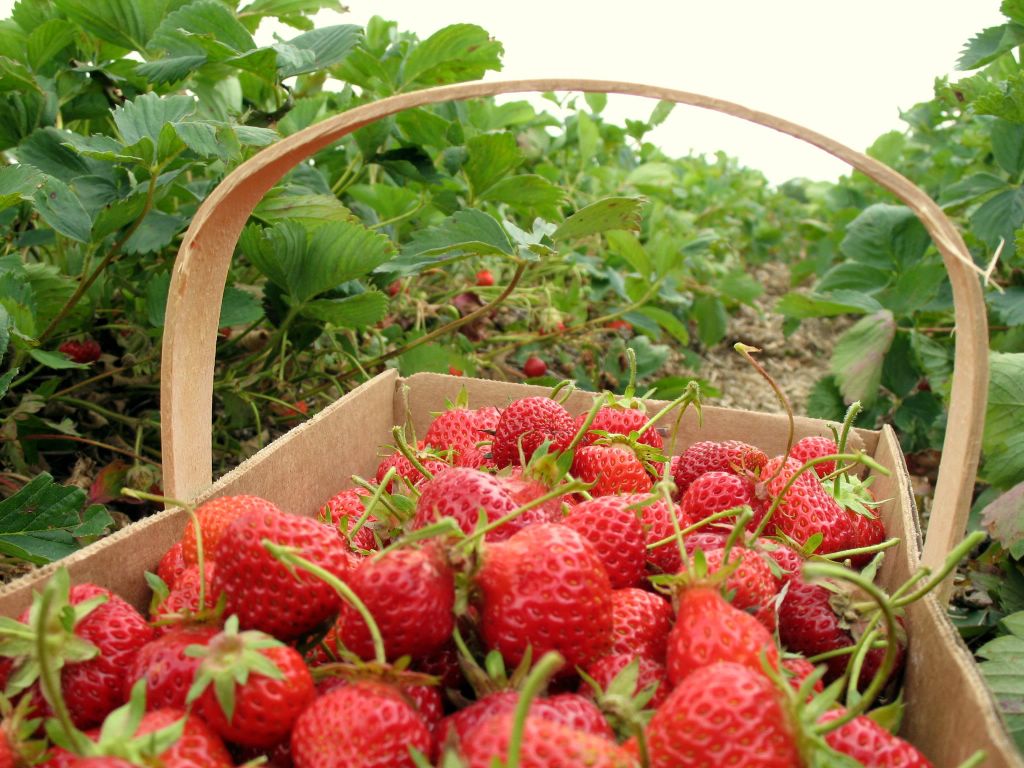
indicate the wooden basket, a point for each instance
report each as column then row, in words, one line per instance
column 950, row 711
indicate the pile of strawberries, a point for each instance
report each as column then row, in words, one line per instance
column 522, row 585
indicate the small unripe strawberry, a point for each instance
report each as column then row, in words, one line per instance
column 534, row 367
column 82, row 352
column 485, row 277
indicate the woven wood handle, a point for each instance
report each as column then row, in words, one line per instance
column 193, row 306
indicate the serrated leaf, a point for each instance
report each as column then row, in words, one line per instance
column 1004, row 520
column 886, row 237
column 56, row 360
column 237, row 307
column 1003, row 440
column 59, row 207
column 611, row 213
column 45, row 151
column 1004, row 673
column 125, row 23
column 587, row 136
column 491, row 156
column 155, row 233
column 457, row 53
column 998, row 218
column 712, row 320
column 468, row 231
column 1008, row 305
column 665, row 319
column 804, row 305
column 146, row 115
column 183, row 29
column 288, row 8
column 853, row 277
column 386, row 201
column 6, row 379
column 18, row 183
column 858, row 356
column 357, row 311
column 319, row 49
column 971, row 188
column 527, row 191
column 989, row 44
column 628, row 246
column 203, row 138
column 35, row 522
column 1008, row 146
column 95, row 522
column 308, row 209
column 46, row 41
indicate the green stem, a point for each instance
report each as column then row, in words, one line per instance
column 534, row 684
column 554, row 493
column 731, row 512
column 373, row 501
column 585, row 426
column 291, row 559
column 851, row 414
column 746, row 350
column 959, row 553
column 845, row 553
column 406, row 450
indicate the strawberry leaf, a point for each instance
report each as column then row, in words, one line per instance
column 858, row 356
column 1004, row 672
column 1004, row 520
column 612, row 213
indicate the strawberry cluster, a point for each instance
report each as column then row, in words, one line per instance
column 523, row 585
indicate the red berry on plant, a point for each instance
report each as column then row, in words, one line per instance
column 82, row 352
column 485, row 277
column 534, row 367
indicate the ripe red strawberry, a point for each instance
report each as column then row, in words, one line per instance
column 182, row 604
column 641, row 622
column 82, row 352
column 718, row 491
column 545, row 744
column 616, row 420
column 462, row 492
column 214, row 517
column 167, row 669
column 527, row 423
column 726, row 456
column 871, row 745
column 569, row 709
column 612, row 468
column 656, row 519
column 807, row 508
column 250, row 688
column 752, row 585
column 708, row 629
column 651, row 673
column 799, row 670
column 265, row 594
column 868, row 530
column 789, row 561
column 532, row 589
column 410, row 593
column 405, row 469
column 345, row 509
column 171, row 565
column 808, row 448
column 456, row 430
column 722, row 714
column 485, row 278
column 534, row 367
column 363, row 725
column 615, row 532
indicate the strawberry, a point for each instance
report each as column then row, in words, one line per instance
column 641, row 622
column 651, row 673
column 182, row 603
column 405, row 469
column 166, row 668
column 345, row 509
column 807, row 508
column 718, row 491
column 265, row 594
column 617, row 420
column 171, row 565
column 544, row 744
column 410, row 593
column 527, row 423
column 485, row 278
column 82, row 352
column 808, row 448
column 534, row 367
column 532, row 587
column 250, row 688
column 615, row 532
column 868, row 530
column 708, row 629
column 612, row 468
column 569, row 709
column 752, row 586
column 456, row 430
column 214, row 517
column 463, row 493
column 656, row 519
column 799, row 669
column 722, row 714
column 871, row 745
column 363, row 725
column 726, row 456
column 789, row 562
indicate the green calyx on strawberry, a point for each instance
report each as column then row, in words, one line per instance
column 628, row 699
column 18, row 745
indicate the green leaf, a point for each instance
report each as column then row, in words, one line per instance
column 491, row 156
column 804, row 305
column 999, row 218
column 989, row 44
column 1003, row 670
column 237, row 307
column 291, row 12
column 672, row 324
column 183, row 29
column 18, row 183
column 45, row 150
column 1003, row 440
column 611, row 213
column 430, row 357
column 454, row 54
column 655, row 176
column 527, row 192
column 386, row 201
column 886, row 237
column 628, row 246
column 1004, row 520
column 970, row 189
column 712, row 320
column 596, row 101
column 826, row 401
column 35, row 523
column 46, row 41
column 588, row 136
column 95, row 522
column 320, row 48
column 310, row 210
column 359, row 311
column 468, row 231
column 56, row 360
column 858, row 355
column 854, row 277
column 125, row 23
column 6, row 379
column 155, row 233
column 146, row 115
column 1008, row 146
column 59, row 207
column 739, row 286
column 660, row 113
column 1008, row 305
column 935, row 359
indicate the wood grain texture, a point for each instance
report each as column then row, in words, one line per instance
column 200, row 271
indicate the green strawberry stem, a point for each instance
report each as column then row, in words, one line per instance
column 845, row 553
column 446, row 526
column 378, row 492
column 818, row 570
column 573, row 486
column 291, row 559
column 958, row 553
column 744, row 516
column 851, row 415
column 385, row 498
column 599, row 402
column 835, row 653
column 861, row 649
column 665, row 489
column 860, row 458
column 691, row 396
column 568, row 385
column 409, row 454
column 731, row 512
column 974, row 760
column 49, row 668
column 746, row 351
column 535, row 682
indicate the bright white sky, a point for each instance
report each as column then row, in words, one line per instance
column 842, row 68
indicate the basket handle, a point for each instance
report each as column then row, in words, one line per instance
column 200, row 271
